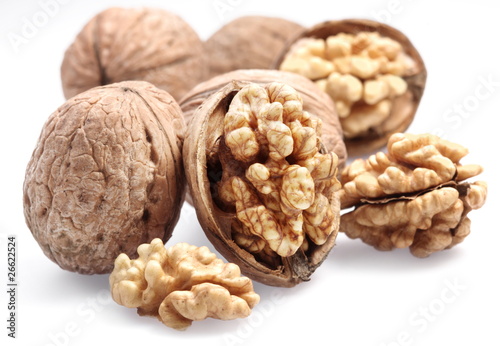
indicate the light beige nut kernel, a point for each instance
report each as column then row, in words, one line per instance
column 364, row 116
column 337, row 46
column 272, row 196
column 411, row 197
column 344, row 87
column 384, row 47
column 375, row 91
column 382, row 87
column 371, row 66
column 181, row 284
column 413, row 163
column 180, row 308
column 362, row 40
column 312, row 67
column 363, row 67
column 356, row 73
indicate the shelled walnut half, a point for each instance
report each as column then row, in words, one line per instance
column 263, row 184
column 372, row 72
column 181, row 284
column 414, row 196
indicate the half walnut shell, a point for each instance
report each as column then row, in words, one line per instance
column 261, row 180
column 372, row 71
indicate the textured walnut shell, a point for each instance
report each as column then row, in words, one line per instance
column 122, row 44
column 206, row 108
column 249, row 42
column 404, row 106
column 106, row 176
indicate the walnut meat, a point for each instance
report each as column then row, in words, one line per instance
column 262, row 182
column 146, row 44
column 248, row 42
column 372, row 72
column 181, row 284
column 414, row 196
column 314, row 101
column 106, row 175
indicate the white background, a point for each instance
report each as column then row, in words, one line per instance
column 359, row 296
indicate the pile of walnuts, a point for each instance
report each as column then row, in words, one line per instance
column 251, row 127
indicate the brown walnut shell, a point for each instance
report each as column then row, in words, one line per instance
column 404, row 106
column 249, row 42
column 205, row 107
column 122, row 44
column 106, row 176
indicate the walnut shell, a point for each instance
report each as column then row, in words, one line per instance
column 249, row 42
column 206, row 107
column 403, row 107
column 106, row 176
column 122, row 44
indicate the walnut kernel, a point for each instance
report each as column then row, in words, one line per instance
column 181, row 284
column 274, row 200
column 414, row 196
column 371, row 71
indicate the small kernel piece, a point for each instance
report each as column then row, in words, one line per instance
column 181, row 284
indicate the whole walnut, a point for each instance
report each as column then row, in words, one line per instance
column 248, row 42
column 122, row 44
column 106, row 175
column 261, row 166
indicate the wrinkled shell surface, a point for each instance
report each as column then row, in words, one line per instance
column 181, row 284
column 146, row 44
column 403, row 106
column 249, row 42
column 106, row 176
column 414, row 196
column 207, row 166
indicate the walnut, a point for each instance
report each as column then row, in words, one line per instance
column 248, row 42
column 146, row 44
column 106, row 175
column 414, row 196
column 263, row 184
column 372, row 72
column 181, row 284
